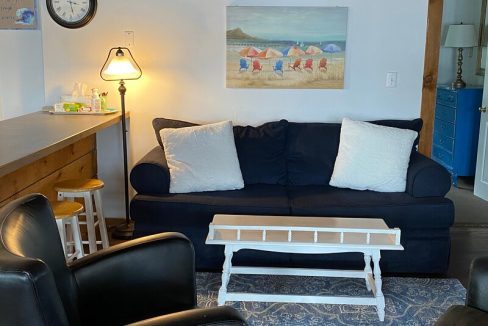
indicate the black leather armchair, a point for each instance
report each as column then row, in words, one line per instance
column 475, row 311
column 127, row 283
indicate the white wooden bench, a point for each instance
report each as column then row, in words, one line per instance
column 305, row 235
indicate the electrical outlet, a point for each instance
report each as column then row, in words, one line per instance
column 129, row 38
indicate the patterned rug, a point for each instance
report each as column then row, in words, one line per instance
column 409, row 301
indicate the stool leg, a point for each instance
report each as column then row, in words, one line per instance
column 62, row 235
column 90, row 223
column 101, row 219
column 75, row 228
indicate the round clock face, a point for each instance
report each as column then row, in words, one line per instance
column 72, row 13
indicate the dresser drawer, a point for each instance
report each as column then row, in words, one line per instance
column 446, row 97
column 442, row 156
column 444, row 128
column 444, row 142
column 445, row 113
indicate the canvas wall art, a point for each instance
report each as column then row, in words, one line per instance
column 286, row 47
column 18, row 14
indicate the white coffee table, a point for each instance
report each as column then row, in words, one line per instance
column 305, row 235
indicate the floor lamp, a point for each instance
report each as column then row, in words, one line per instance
column 121, row 66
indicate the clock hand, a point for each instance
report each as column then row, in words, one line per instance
column 71, row 5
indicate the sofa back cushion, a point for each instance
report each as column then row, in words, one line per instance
column 262, row 152
column 312, row 149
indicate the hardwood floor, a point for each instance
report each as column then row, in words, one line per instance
column 466, row 244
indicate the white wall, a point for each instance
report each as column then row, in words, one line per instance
column 180, row 46
column 21, row 72
column 455, row 12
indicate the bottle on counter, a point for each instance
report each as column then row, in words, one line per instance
column 96, row 102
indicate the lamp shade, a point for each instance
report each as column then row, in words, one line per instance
column 120, row 65
column 460, row 36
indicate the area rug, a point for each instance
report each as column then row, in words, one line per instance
column 409, row 301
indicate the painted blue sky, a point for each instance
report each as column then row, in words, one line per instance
column 312, row 24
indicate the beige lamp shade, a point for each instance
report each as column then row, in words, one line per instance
column 460, row 36
column 120, row 65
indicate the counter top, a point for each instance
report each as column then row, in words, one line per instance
column 30, row 137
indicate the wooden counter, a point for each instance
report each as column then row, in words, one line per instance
column 39, row 149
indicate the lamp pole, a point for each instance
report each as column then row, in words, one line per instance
column 124, row 231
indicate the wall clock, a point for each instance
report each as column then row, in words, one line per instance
column 72, row 13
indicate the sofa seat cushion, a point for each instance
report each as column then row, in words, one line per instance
column 198, row 208
column 397, row 209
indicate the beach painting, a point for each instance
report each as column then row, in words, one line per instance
column 286, row 47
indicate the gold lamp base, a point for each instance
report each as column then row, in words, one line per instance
column 458, row 83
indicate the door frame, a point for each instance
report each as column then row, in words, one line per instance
column 431, row 68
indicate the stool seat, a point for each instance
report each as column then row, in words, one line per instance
column 66, row 215
column 89, row 190
column 79, row 185
column 66, row 209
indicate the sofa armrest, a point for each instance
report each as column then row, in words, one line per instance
column 136, row 280
column 426, row 178
column 150, row 176
column 477, row 296
column 222, row 316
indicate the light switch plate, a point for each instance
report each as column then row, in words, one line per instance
column 391, row 79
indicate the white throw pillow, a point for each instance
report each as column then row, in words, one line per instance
column 372, row 157
column 202, row 158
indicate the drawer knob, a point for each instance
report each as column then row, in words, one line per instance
column 482, row 109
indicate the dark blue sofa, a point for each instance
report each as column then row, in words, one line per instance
column 286, row 169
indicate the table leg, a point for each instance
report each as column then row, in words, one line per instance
column 367, row 270
column 225, row 275
column 380, row 299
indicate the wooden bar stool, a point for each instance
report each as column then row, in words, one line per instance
column 86, row 189
column 66, row 214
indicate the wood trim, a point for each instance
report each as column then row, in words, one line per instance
column 431, row 68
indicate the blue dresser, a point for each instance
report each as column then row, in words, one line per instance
column 456, row 130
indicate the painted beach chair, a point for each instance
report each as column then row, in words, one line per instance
column 308, row 65
column 296, row 64
column 256, row 66
column 278, row 67
column 323, row 64
column 244, row 65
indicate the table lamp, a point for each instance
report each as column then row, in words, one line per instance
column 460, row 36
column 121, row 66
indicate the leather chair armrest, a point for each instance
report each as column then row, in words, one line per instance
column 221, row 316
column 477, row 296
column 136, row 280
column 462, row 316
column 150, row 176
column 426, row 178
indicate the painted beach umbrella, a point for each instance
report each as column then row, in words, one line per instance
column 250, row 52
column 293, row 51
column 332, row 48
column 312, row 50
column 270, row 53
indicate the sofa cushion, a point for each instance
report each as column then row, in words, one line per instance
column 202, row 158
column 261, row 152
column 372, row 157
column 398, row 209
column 197, row 209
column 312, row 148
